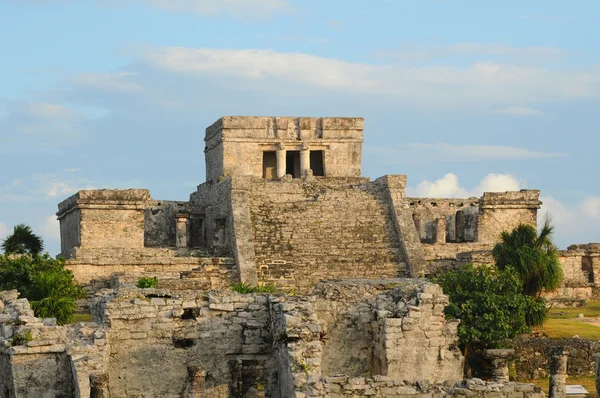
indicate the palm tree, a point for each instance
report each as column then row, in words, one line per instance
column 532, row 256
column 23, row 241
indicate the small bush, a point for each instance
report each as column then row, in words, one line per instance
column 246, row 288
column 49, row 287
column 21, row 338
column 145, row 283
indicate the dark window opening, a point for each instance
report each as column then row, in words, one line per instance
column 269, row 165
column 316, row 163
column 292, row 163
column 183, row 343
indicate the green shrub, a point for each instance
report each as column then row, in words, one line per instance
column 21, row 338
column 246, row 288
column 44, row 281
column 144, row 283
column 490, row 305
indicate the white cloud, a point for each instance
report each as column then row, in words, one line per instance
column 120, row 82
column 449, row 187
column 429, row 85
column 3, row 230
column 520, row 111
column 591, row 207
column 45, row 110
column 415, row 52
column 573, row 224
column 50, row 228
column 239, row 8
column 39, row 126
column 444, row 152
column 59, row 188
column 445, row 187
column 497, row 183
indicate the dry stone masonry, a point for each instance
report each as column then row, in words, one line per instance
column 284, row 203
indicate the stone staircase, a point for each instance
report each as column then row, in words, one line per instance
column 323, row 229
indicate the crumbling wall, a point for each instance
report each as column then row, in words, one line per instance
column 459, row 217
column 106, row 218
column 360, row 328
column 198, row 336
column 503, row 211
column 533, row 356
column 307, row 230
column 94, row 268
column 40, row 359
column 383, row 386
column 159, row 222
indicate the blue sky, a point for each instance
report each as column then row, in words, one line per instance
column 462, row 96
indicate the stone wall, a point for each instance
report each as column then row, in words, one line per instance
column 533, row 353
column 459, row 217
column 40, row 359
column 107, row 218
column 159, row 223
column 383, row 386
column 308, row 230
column 188, row 333
column 503, row 211
column 235, row 145
column 329, row 333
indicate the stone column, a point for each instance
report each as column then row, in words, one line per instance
column 181, row 230
column 499, row 359
column 418, row 225
column 440, row 230
column 558, row 373
column 281, row 160
column 304, row 161
column 597, row 370
column 99, row 385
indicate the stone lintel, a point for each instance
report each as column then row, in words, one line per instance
column 523, row 199
column 284, row 123
column 499, row 353
column 105, row 199
column 586, row 248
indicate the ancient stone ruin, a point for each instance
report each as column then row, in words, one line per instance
column 284, row 203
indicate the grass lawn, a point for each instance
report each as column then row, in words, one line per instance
column 563, row 323
column 567, row 328
column 88, row 318
column 589, row 383
column 591, row 310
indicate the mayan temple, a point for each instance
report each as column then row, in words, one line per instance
column 284, row 203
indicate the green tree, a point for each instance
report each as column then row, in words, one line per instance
column 489, row 304
column 532, row 256
column 45, row 282
column 23, row 241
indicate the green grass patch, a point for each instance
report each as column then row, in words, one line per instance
column 245, row 288
column 81, row 318
column 589, row 383
column 567, row 328
column 591, row 310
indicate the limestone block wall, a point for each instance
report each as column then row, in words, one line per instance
column 383, row 386
column 103, row 218
column 235, row 145
column 503, row 211
column 307, row 230
column 459, row 217
column 159, row 223
column 224, row 213
column 40, row 359
column 94, row 268
column 168, row 343
column 329, row 333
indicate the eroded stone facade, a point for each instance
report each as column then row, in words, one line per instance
column 284, row 203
